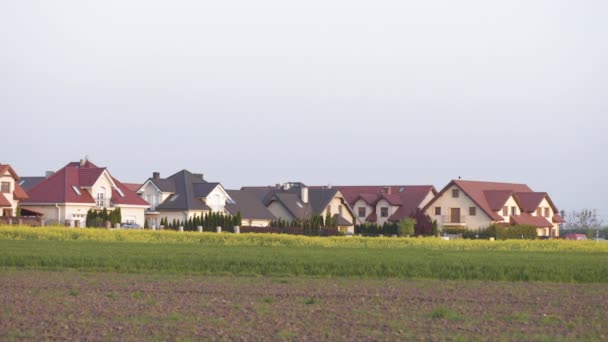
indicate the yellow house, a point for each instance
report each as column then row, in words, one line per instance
column 476, row 205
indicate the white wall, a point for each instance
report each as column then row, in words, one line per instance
column 279, row 211
column 103, row 182
column 391, row 210
column 368, row 210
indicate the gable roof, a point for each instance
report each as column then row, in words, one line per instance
column 318, row 198
column 497, row 198
column 18, row 192
column 250, row 207
column 132, row 186
column 187, row 190
column 476, row 191
column 529, row 201
column 407, row 197
column 59, row 187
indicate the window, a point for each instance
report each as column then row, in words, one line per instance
column 362, row 212
column 101, row 199
column 505, row 211
column 122, row 194
column 513, row 211
column 455, row 193
column 437, row 211
column 384, row 212
column 76, row 190
column 6, row 187
column 472, row 211
column 539, row 212
column 547, row 214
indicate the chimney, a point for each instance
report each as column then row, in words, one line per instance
column 82, row 161
column 49, row 174
column 278, row 186
column 304, row 194
column 155, row 175
column 388, row 190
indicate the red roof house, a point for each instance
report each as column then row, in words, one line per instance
column 70, row 192
column 11, row 192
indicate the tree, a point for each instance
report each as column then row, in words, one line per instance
column 406, row 226
column 584, row 219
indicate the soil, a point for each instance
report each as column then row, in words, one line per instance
column 70, row 305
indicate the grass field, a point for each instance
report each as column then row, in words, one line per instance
column 208, row 259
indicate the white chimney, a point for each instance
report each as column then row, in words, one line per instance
column 305, row 194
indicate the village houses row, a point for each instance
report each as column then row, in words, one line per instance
column 65, row 197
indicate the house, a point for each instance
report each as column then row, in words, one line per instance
column 11, row 192
column 253, row 212
column 386, row 203
column 182, row 196
column 295, row 201
column 68, row 194
column 477, row 205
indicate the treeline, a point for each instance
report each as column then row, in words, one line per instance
column 209, row 222
column 98, row 218
column 417, row 224
column 316, row 225
column 498, row 232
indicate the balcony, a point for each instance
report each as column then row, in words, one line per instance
column 454, row 220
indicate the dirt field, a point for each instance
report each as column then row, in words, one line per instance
column 36, row 305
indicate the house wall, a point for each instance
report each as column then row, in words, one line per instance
column 511, row 203
column 334, row 206
column 103, row 184
column 368, row 210
column 49, row 212
column 464, row 202
column 255, row 223
column 429, row 197
column 135, row 214
column 216, row 200
column 7, row 177
column 151, row 192
column 391, row 210
column 279, row 211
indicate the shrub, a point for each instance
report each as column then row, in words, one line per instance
column 406, row 227
column 454, row 230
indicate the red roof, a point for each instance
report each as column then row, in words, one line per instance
column 6, row 167
column 407, row 197
column 132, row 186
column 527, row 219
column 4, row 202
column 59, row 188
column 372, row 217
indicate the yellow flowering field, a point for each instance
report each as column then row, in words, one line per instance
column 277, row 240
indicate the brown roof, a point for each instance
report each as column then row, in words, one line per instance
column 18, row 192
column 4, row 202
column 527, row 219
column 132, row 186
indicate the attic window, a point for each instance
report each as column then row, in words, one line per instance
column 174, row 197
column 122, row 194
column 230, row 200
column 21, row 182
column 401, row 189
column 76, row 190
column 299, row 204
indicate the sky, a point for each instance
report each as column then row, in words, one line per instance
column 332, row 92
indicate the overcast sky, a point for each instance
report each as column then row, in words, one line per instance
column 322, row 91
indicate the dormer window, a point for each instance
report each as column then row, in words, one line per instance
column 174, row 197
column 6, row 187
column 122, row 194
column 76, row 190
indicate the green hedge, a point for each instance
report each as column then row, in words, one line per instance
column 525, row 232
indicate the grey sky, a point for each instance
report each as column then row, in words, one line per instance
column 323, row 91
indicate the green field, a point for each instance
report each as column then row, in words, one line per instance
column 412, row 262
